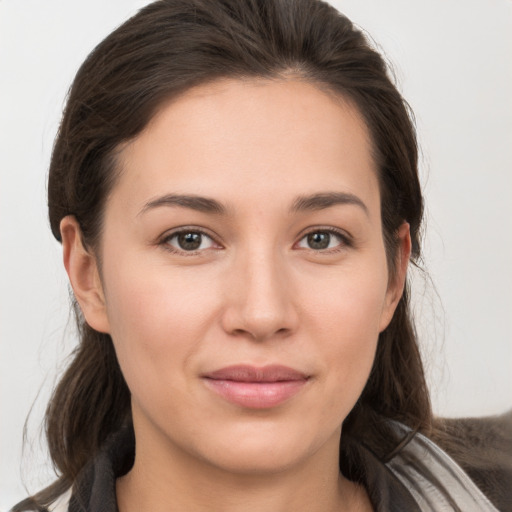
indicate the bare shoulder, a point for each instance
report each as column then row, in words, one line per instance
column 483, row 448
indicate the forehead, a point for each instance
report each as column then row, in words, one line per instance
column 233, row 139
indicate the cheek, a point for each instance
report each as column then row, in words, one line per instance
column 346, row 322
column 350, row 303
column 157, row 320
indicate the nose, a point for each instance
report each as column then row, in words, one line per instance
column 259, row 298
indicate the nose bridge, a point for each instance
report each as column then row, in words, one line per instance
column 260, row 303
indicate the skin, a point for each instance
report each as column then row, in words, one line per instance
column 256, row 292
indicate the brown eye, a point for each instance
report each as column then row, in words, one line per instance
column 189, row 241
column 319, row 240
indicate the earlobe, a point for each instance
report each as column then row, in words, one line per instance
column 397, row 282
column 82, row 269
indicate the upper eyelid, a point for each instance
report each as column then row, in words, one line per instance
column 329, row 229
column 188, row 229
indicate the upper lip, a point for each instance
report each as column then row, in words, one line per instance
column 248, row 373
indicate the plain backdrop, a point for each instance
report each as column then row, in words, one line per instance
column 452, row 61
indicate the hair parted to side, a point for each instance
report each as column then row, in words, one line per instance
column 165, row 49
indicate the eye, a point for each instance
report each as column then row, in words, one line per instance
column 321, row 240
column 189, row 241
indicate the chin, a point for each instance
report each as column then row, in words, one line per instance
column 264, row 450
column 261, row 460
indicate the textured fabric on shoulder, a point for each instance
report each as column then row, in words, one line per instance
column 482, row 447
column 434, row 479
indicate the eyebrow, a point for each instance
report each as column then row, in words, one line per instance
column 325, row 200
column 199, row 203
column 313, row 202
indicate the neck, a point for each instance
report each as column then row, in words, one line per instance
column 168, row 480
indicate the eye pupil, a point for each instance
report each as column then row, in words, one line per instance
column 319, row 240
column 189, row 241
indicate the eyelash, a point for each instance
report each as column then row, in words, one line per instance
column 344, row 239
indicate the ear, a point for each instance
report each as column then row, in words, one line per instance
column 397, row 282
column 84, row 276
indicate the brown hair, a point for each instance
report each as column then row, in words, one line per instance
column 168, row 47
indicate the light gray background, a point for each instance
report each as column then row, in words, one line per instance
column 453, row 61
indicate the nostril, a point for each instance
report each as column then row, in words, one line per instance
column 261, row 335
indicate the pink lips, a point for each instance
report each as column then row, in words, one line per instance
column 256, row 388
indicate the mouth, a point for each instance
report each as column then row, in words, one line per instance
column 256, row 387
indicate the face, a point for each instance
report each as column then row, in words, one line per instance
column 243, row 273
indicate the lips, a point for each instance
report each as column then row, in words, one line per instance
column 256, row 387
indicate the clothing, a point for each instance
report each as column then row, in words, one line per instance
column 420, row 477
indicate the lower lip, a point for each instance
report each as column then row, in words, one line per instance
column 256, row 395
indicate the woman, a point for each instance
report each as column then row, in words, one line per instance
column 235, row 187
